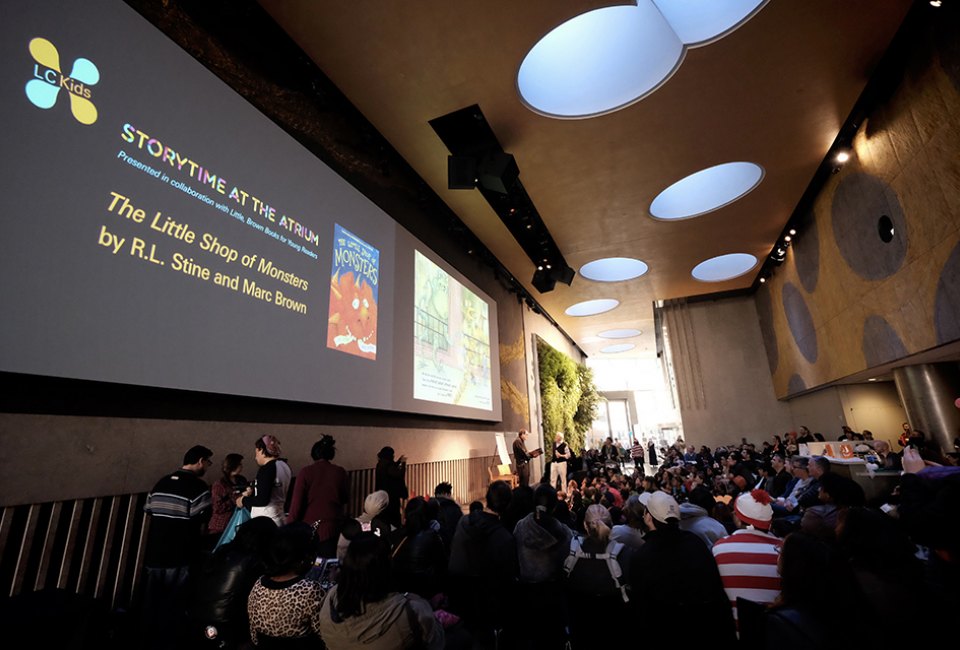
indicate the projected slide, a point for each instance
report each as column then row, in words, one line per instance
column 163, row 232
column 451, row 340
column 352, row 326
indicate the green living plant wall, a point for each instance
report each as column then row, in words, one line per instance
column 568, row 397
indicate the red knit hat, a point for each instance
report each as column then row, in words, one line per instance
column 754, row 508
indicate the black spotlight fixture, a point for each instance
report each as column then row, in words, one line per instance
column 477, row 161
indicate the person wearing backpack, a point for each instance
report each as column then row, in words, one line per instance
column 596, row 570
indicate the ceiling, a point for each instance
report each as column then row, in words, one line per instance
column 774, row 92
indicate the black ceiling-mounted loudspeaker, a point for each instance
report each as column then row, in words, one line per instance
column 461, row 172
column 498, row 171
column 543, row 281
column 564, row 274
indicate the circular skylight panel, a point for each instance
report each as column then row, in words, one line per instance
column 619, row 334
column 592, row 307
column 698, row 22
column 613, row 269
column 706, row 190
column 619, row 347
column 724, row 267
column 600, row 61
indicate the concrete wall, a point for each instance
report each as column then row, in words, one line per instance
column 874, row 406
column 102, row 456
column 820, row 411
column 722, row 375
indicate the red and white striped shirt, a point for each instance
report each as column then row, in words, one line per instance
column 748, row 566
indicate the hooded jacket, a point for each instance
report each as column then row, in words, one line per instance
column 483, row 547
column 695, row 519
column 541, row 548
column 397, row 621
column 482, row 570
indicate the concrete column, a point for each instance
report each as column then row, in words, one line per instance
column 927, row 392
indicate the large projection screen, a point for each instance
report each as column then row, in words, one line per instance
column 160, row 231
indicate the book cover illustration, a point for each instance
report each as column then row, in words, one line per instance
column 354, row 289
column 451, row 340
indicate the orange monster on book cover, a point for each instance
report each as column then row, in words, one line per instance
column 354, row 289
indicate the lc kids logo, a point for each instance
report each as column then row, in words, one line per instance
column 48, row 80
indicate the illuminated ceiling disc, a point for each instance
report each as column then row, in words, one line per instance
column 592, row 307
column 619, row 334
column 599, row 62
column 724, row 267
column 613, row 269
column 619, row 347
column 699, row 22
column 706, row 190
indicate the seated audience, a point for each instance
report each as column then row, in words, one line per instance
column 813, row 589
column 419, row 559
column 284, row 605
column 362, row 612
column 450, row 512
column 370, row 521
column 631, row 532
column 696, row 516
column 747, row 559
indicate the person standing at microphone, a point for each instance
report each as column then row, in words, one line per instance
column 522, row 458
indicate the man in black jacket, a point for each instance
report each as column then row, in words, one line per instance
column 680, row 583
column 483, row 565
column 450, row 513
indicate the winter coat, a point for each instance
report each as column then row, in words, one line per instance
column 541, row 547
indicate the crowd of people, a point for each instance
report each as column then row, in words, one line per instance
column 737, row 546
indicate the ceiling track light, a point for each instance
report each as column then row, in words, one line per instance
column 478, row 161
column 792, row 232
column 842, row 156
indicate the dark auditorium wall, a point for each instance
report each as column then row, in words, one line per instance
column 65, row 439
column 846, row 301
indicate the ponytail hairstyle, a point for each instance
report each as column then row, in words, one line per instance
column 597, row 523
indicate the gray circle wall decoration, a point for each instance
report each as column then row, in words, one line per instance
column 764, row 304
column 800, row 322
column 880, row 342
column 946, row 314
column 858, row 202
column 796, row 385
column 806, row 254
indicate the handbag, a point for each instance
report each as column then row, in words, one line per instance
column 240, row 517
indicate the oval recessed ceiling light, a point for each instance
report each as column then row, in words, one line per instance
column 724, row 267
column 608, row 58
column 599, row 61
column 613, row 269
column 700, row 22
column 619, row 334
column 592, row 307
column 706, row 190
column 619, row 347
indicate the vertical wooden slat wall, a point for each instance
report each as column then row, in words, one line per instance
column 94, row 547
